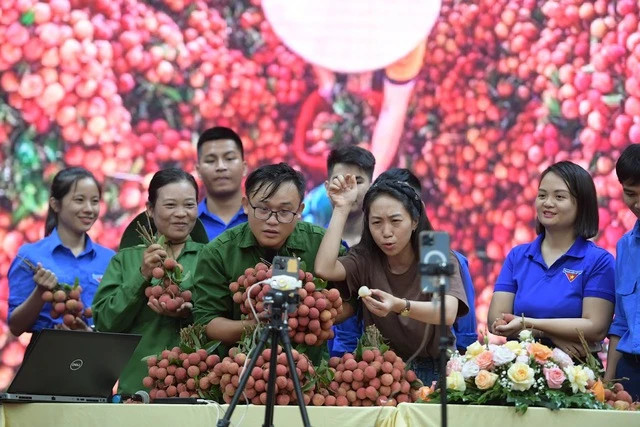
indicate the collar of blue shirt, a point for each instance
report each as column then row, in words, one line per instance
column 203, row 210
column 54, row 242
column 577, row 250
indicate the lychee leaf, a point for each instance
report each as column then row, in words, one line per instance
column 211, row 346
column 359, row 350
column 320, row 283
column 613, row 100
column 302, row 348
column 185, row 277
column 144, row 359
column 196, row 339
column 308, row 386
column 28, row 18
column 186, row 348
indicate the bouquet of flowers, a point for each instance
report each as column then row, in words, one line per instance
column 522, row 373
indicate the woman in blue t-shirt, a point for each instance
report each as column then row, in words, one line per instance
column 561, row 282
column 65, row 254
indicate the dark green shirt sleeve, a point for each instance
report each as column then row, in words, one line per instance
column 120, row 296
column 211, row 294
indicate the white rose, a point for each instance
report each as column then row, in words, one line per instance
column 455, row 381
column 474, row 349
column 561, row 358
column 502, row 355
column 523, row 358
column 525, row 335
column 470, row 369
column 590, row 374
column 521, row 376
column 516, row 346
column 578, row 377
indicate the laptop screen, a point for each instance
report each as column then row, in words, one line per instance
column 73, row 363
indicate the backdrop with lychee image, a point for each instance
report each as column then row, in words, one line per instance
column 505, row 88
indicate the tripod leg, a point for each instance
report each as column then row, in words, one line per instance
column 286, row 344
column 444, row 341
column 225, row 421
column 271, row 384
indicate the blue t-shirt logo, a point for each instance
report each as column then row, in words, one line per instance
column 97, row 277
column 571, row 274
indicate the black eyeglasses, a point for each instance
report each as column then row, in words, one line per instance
column 282, row 216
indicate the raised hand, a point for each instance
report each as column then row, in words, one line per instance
column 152, row 257
column 343, row 190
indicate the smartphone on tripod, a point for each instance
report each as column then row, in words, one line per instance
column 435, row 248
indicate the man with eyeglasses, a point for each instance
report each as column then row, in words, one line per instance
column 273, row 203
column 221, row 167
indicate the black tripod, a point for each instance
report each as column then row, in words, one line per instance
column 279, row 301
column 441, row 272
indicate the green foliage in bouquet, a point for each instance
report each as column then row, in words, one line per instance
column 521, row 373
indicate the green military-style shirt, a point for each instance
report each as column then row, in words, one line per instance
column 226, row 258
column 120, row 305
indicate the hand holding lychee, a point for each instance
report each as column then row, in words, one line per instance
column 166, row 298
column 66, row 303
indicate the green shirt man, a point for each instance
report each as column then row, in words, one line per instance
column 273, row 203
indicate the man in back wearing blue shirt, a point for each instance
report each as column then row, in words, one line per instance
column 623, row 359
column 221, row 167
column 347, row 159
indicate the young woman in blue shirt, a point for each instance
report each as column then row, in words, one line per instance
column 65, row 254
column 561, row 282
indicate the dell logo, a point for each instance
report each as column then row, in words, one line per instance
column 76, row 364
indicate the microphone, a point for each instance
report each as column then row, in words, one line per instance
column 140, row 396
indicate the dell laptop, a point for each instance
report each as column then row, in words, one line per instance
column 71, row 366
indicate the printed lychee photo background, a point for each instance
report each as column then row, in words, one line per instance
column 123, row 87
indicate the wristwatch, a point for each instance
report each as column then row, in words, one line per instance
column 407, row 306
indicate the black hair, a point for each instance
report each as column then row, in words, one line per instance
column 352, row 155
column 166, row 177
column 217, row 133
column 271, row 177
column 411, row 201
column 402, row 175
column 628, row 165
column 62, row 183
column 583, row 190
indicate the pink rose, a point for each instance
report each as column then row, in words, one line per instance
column 454, row 365
column 555, row 377
column 485, row 360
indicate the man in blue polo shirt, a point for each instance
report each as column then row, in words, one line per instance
column 624, row 335
column 221, row 167
column 343, row 160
